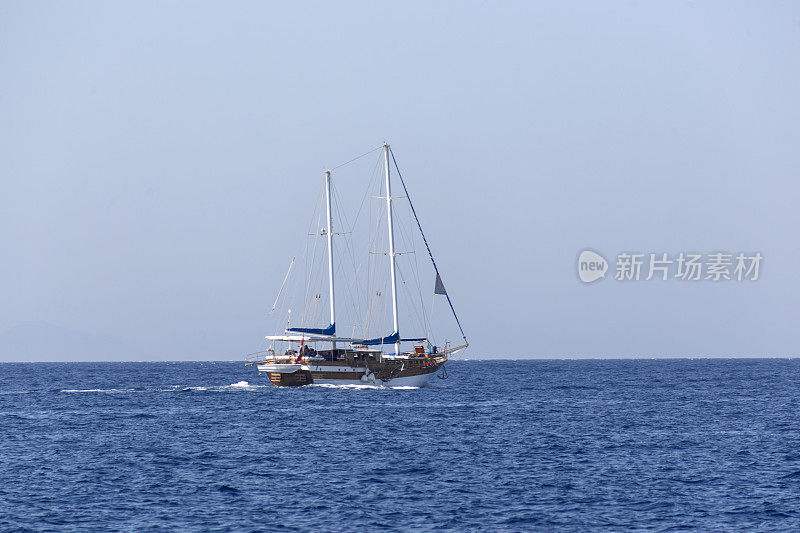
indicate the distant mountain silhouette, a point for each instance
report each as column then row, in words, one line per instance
column 42, row 341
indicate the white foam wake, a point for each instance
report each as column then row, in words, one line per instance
column 239, row 385
column 364, row 386
column 98, row 390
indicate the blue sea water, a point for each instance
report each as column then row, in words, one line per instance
column 580, row 445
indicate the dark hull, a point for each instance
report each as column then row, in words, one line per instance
column 413, row 371
column 295, row 379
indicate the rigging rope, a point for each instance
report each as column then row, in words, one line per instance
column 447, row 295
column 357, row 158
column 404, row 285
column 282, row 286
column 309, row 278
column 408, row 242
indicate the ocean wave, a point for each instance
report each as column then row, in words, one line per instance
column 490, row 449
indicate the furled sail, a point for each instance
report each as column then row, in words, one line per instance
column 330, row 330
column 390, row 339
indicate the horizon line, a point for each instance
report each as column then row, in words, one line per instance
column 468, row 359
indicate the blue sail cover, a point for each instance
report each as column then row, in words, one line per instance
column 330, row 330
column 391, row 339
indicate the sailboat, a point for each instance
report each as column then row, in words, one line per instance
column 319, row 355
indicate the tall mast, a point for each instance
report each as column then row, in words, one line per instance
column 329, row 233
column 391, row 246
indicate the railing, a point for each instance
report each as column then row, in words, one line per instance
column 258, row 356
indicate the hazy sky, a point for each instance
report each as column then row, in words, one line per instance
column 153, row 156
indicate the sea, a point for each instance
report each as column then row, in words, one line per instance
column 527, row 445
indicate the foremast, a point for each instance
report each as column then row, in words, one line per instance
column 330, row 331
column 329, row 233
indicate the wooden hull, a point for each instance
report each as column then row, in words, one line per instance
column 412, row 372
column 293, row 379
column 417, row 381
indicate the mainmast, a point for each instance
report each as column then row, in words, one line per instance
column 329, row 233
column 391, row 247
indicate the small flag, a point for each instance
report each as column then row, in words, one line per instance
column 439, row 288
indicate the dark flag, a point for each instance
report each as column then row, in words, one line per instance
column 439, row 288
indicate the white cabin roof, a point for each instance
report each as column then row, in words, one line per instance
column 311, row 338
